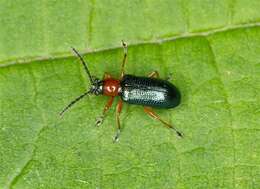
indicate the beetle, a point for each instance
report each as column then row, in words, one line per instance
column 150, row 92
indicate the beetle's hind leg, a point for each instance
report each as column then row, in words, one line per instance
column 151, row 113
column 118, row 112
column 100, row 119
column 154, row 74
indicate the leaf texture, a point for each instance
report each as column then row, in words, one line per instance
column 212, row 49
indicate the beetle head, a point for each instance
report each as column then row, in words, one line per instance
column 96, row 87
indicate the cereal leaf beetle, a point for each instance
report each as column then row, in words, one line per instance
column 150, row 92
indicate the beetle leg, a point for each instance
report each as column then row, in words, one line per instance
column 118, row 111
column 100, row 119
column 154, row 74
column 151, row 113
column 124, row 59
column 106, row 76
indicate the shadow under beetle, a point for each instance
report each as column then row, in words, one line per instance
column 146, row 91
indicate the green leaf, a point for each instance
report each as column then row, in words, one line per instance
column 212, row 48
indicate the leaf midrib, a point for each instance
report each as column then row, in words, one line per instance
column 68, row 54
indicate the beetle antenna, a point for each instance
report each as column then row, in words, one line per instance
column 84, row 64
column 73, row 102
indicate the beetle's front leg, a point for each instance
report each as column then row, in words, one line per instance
column 106, row 76
column 100, row 119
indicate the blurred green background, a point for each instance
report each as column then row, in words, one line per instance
column 212, row 48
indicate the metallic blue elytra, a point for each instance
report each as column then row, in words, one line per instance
column 151, row 92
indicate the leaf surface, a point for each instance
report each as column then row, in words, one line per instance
column 212, row 49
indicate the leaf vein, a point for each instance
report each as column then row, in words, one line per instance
column 67, row 54
column 225, row 93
